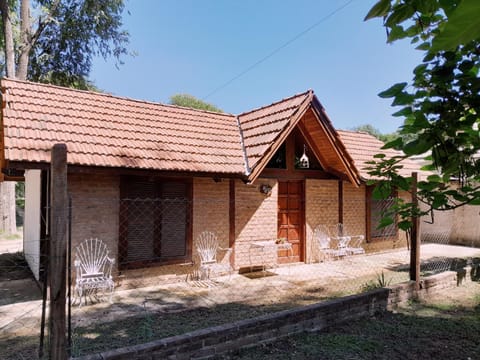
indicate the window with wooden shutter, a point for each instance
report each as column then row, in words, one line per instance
column 154, row 221
column 376, row 209
column 174, row 231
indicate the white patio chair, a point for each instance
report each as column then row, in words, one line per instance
column 327, row 249
column 208, row 248
column 93, row 270
column 351, row 243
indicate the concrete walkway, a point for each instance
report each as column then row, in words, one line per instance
column 11, row 245
column 297, row 284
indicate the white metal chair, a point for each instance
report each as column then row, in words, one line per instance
column 208, row 247
column 322, row 238
column 93, row 270
column 351, row 243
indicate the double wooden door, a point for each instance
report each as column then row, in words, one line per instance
column 291, row 223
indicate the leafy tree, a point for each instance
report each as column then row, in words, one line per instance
column 440, row 106
column 54, row 41
column 191, row 101
column 58, row 43
column 370, row 129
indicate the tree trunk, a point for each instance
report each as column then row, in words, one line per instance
column 26, row 40
column 8, row 33
column 8, row 223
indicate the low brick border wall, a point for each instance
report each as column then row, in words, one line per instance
column 205, row 343
column 428, row 286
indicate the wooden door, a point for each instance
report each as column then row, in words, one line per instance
column 291, row 219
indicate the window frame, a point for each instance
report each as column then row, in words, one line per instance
column 124, row 263
column 369, row 209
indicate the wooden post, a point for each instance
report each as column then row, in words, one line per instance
column 414, row 238
column 58, row 241
column 231, row 221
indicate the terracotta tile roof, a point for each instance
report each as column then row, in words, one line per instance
column 260, row 127
column 103, row 130
column 108, row 131
column 362, row 147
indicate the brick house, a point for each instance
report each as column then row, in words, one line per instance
column 241, row 176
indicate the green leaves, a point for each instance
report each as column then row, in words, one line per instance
column 440, row 24
column 70, row 34
column 402, row 12
column 380, row 9
column 190, row 101
column 441, row 107
column 394, row 144
column 393, row 91
column 463, row 26
column 382, row 191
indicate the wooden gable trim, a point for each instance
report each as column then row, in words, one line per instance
column 311, row 102
column 318, row 153
column 337, row 145
column 296, row 117
column 291, row 172
column 318, row 146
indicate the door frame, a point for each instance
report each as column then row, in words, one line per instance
column 302, row 230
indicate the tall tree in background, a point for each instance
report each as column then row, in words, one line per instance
column 191, row 101
column 55, row 41
column 441, row 105
column 370, row 129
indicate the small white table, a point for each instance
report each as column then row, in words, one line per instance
column 266, row 247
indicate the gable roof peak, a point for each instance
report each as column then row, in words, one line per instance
column 309, row 92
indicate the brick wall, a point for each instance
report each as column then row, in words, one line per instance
column 321, row 207
column 95, row 214
column 211, row 203
column 95, row 208
column 255, row 219
column 210, row 213
column 354, row 208
column 400, row 294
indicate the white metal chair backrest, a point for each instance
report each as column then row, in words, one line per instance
column 339, row 230
column 207, row 247
column 320, row 234
column 91, row 258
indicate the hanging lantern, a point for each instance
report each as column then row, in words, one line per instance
column 304, row 163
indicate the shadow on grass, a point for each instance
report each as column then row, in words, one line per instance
column 19, row 347
column 435, row 264
column 158, row 318
column 426, row 332
column 149, row 326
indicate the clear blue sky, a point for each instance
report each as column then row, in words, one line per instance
column 196, row 46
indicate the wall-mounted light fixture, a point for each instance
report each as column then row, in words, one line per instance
column 304, row 162
column 265, row 189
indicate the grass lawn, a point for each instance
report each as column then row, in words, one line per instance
column 446, row 327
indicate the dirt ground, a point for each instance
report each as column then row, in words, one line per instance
column 16, row 280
